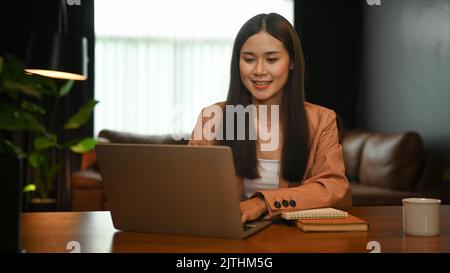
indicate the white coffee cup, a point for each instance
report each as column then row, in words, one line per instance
column 421, row 216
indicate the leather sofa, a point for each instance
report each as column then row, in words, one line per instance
column 382, row 168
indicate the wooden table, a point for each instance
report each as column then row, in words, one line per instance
column 51, row 232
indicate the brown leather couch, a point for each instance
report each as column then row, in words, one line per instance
column 382, row 168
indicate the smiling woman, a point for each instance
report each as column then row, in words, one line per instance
column 306, row 168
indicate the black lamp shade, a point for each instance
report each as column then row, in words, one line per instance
column 57, row 55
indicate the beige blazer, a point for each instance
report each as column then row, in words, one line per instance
column 324, row 183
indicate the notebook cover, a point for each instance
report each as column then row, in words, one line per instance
column 351, row 223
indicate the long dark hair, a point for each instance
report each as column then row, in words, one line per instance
column 295, row 149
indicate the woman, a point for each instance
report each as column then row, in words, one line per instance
column 305, row 170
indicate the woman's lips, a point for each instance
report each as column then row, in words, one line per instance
column 261, row 84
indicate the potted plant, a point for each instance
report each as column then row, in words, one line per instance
column 24, row 100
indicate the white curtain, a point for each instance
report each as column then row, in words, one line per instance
column 163, row 61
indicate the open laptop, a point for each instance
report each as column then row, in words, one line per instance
column 173, row 189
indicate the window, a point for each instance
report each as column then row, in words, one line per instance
column 158, row 63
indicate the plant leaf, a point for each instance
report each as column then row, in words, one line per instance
column 43, row 84
column 42, row 143
column 24, row 88
column 82, row 116
column 15, row 65
column 65, row 88
column 8, row 147
column 53, row 171
column 70, row 143
column 15, row 78
column 32, row 107
column 35, row 159
column 84, row 145
column 29, row 187
column 12, row 118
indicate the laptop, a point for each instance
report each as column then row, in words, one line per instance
column 173, row 189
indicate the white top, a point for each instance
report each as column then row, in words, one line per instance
column 269, row 171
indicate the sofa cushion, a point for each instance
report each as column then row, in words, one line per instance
column 392, row 161
column 87, row 191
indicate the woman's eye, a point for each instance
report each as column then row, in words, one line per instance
column 249, row 60
column 272, row 60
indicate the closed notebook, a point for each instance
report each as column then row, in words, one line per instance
column 350, row 223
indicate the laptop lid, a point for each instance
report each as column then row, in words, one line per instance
column 174, row 189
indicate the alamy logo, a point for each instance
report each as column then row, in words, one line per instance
column 373, row 2
column 75, row 246
column 238, row 127
column 73, row 2
column 375, row 246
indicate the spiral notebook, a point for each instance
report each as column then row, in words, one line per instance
column 326, row 220
column 323, row 213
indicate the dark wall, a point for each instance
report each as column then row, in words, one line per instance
column 382, row 68
column 407, row 71
column 330, row 32
column 20, row 18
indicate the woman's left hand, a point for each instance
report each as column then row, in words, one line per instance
column 252, row 209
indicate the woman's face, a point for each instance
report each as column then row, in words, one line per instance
column 264, row 68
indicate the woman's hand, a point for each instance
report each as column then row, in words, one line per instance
column 252, row 209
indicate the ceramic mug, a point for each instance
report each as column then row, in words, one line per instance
column 421, row 216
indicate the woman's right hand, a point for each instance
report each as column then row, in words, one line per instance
column 252, row 209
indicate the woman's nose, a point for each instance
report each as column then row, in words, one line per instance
column 259, row 68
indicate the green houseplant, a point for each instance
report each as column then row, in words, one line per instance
column 24, row 100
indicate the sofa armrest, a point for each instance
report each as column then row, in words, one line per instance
column 392, row 161
column 86, row 191
column 352, row 147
